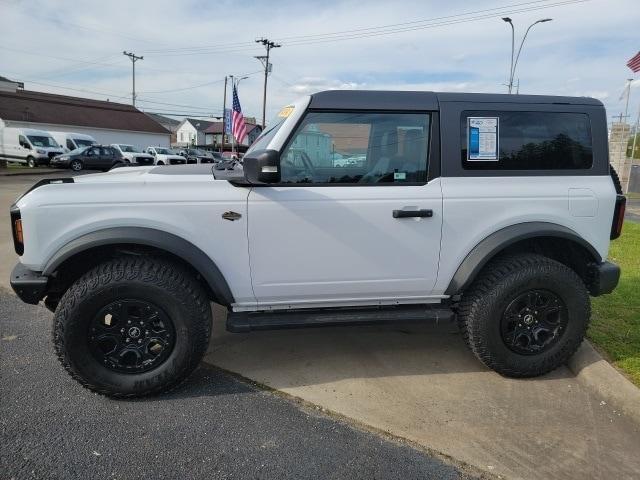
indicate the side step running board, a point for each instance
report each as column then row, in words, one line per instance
column 239, row 322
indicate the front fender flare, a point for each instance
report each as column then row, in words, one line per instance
column 497, row 241
column 151, row 237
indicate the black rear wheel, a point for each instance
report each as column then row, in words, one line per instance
column 132, row 326
column 525, row 315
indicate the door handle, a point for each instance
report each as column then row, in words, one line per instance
column 413, row 213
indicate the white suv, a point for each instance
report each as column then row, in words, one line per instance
column 492, row 210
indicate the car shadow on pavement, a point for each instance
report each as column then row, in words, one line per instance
column 300, row 358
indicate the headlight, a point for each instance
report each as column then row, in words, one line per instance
column 41, row 152
column 63, row 158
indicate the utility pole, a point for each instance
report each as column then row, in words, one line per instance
column 224, row 114
column 134, row 59
column 267, row 68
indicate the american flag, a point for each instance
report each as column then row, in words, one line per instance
column 634, row 63
column 238, row 128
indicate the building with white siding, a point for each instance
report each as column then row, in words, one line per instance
column 107, row 122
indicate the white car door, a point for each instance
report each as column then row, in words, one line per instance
column 354, row 221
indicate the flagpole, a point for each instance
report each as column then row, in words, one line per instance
column 233, row 134
column 633, row 148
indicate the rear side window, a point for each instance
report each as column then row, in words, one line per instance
column 525, row 140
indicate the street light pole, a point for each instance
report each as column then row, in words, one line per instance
column 513, row 37
column 514, row 64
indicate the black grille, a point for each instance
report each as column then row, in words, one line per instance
column 144, row 161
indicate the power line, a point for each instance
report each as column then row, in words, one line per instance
column 198, row 86
column 379, row 30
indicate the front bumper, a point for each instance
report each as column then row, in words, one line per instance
column 30, row 286
column 604, row 278
column 56, row 162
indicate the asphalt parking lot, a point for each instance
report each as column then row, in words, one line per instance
column 213, row 426
column 418, row 383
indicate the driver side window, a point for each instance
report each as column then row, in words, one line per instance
column 358, row 148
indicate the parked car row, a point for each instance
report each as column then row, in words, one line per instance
column 80, row 151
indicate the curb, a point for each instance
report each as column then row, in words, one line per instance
column 601, row 377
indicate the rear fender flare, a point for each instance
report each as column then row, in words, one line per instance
column 488, row 248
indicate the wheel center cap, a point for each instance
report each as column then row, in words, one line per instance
column 528, row 319
column 134, row 332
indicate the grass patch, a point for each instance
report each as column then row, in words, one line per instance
column 615, row 323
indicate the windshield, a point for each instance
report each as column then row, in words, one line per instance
column 84, row 143
column 42, row 141
column 129, row 148
column 164, row 151
column 265, row 137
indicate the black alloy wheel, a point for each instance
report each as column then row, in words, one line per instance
column 533, row 322
column 131, row 336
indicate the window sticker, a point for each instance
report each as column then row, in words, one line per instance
column 399, row 175
column 286, row 111
column 482, row 139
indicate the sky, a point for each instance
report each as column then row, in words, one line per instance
column 75, row 48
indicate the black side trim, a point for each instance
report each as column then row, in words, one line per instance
column 153, row 238
column 605, row 277
column 29, row 286
column 497, row 241
column 239, row 322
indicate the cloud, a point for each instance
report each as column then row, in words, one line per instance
column 185, row 44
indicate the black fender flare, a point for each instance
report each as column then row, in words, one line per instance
column 151, row 237
column 498, row 241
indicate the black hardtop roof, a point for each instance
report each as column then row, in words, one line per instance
column 411, row 100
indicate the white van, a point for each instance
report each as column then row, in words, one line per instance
column 70, row 141
column 25, row 145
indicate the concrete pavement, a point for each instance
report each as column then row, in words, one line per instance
column 421, row 383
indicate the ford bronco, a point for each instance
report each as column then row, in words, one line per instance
column 495, row 211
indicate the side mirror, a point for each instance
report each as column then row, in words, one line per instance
column 262, row 166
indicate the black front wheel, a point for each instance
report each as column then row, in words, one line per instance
column 525, row 315
column 31, row 162
column 132, row 326
column 76, row 165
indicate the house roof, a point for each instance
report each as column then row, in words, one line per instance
column 216, row 127
column 38, row 107
column 198, row 124
column 162, row 120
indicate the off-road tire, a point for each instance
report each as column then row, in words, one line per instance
column 169, row 286
column 482, row 306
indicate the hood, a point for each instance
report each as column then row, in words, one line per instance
column 154, row 173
